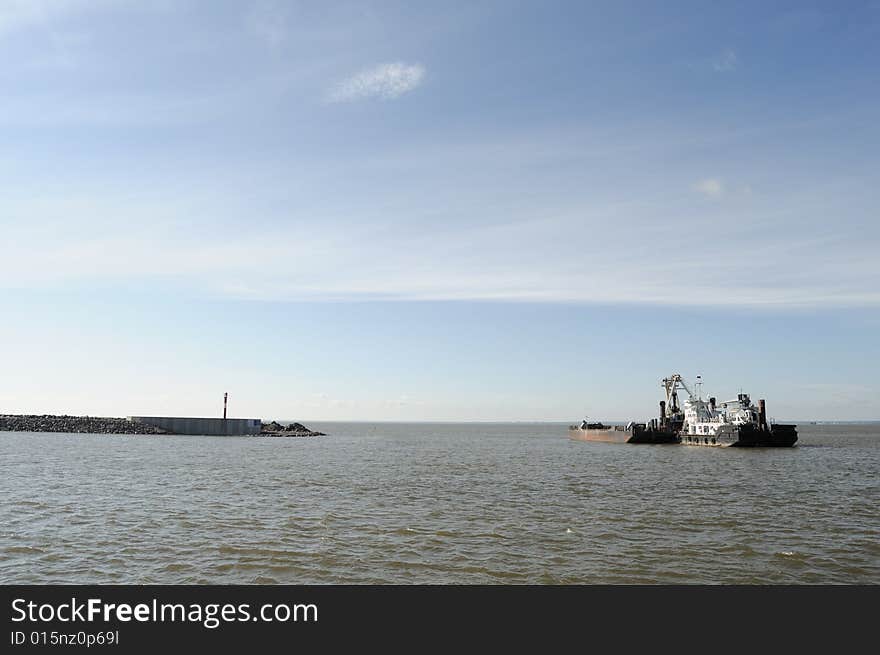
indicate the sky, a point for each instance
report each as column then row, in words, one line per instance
column 438, row 211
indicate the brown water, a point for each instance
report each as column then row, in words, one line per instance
column 437, row 503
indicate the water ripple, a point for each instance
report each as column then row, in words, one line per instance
column 496, row 504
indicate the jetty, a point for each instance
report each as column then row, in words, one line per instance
column 151, row 425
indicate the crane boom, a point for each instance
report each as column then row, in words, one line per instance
column 671, row 385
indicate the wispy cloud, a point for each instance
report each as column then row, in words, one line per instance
column 19, row 15
column 268, row 22
column 384, row 81
column 712, row 187
column 16, row 15
column 366, row 232
column 725, row 62
column 515, row 261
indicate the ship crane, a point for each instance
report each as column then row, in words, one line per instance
column 671, row 385
column 704, row 411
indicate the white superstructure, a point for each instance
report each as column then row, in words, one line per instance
column 708, row 424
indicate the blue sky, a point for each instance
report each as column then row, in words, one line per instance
column 403, row 211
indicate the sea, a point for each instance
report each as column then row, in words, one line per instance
column 438, row 503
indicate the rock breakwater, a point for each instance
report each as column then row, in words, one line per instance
column 78, row 424
column 111, row 425
column 276, row 429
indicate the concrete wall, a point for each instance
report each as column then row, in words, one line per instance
column 208, row 426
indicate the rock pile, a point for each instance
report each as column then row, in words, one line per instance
column 275, row 429
column 80, row 424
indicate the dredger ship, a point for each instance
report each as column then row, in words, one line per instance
column 698, row 423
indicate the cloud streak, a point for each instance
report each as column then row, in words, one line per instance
column 711, row 187
column 19, row 15
column 387, row 81
column 725, row 62
column 490, row 263
column 267, row 21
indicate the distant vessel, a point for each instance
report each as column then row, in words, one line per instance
column 733, row 423
column 629, row 433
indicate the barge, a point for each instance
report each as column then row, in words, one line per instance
column 629, row 433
